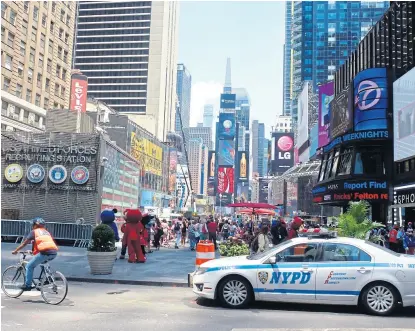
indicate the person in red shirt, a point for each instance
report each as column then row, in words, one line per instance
column 294, row 226
column 212, row 227
column 393, row 238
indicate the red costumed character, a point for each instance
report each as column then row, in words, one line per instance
column 132, row 233
column 294, row 226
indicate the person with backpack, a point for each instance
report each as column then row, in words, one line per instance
column 225, row 231
column 261, row 242
column 177, row 228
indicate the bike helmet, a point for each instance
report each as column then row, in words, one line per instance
column 38, row 221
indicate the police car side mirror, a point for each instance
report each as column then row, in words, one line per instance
column 272, row 260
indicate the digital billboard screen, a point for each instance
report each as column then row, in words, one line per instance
column 314, row 140
column 79, row 89
column 226, row 153
column 211, row 164
column 227, row 126
column 370, row 99
column 282, row 157
column 302, row 124
column 225, row 180
column 227, row 101
column 340, row 111
column 325, row 96
column 404, row 116
column 242, row 166
column 242, row 191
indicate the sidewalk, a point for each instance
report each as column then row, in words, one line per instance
column 166, row 267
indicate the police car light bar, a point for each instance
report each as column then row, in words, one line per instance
column 318, row 233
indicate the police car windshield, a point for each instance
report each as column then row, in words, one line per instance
column 382, row 248
column 259, row 256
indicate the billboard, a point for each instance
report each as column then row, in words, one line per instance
column 302, row 124
column 172, row 170
column 203, row 170
column 242, row 166
column 314, row 139
column 340, row 113
column 242, row 191
column 211, row 164
column 404, row 116
column 226, row 153
column 148, row 154
column 370, row 99
column 224, row 199
column 227, row 101
column 325, row 96
column 282, row 153
column 147, row 198
column 79, row 89
column 227, row 126
column 211, row 188
column 225, row 180
column 292, row 199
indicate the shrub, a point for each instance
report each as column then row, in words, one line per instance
column 102, row 240
column 233, row 248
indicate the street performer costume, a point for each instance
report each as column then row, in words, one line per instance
column 132, row 233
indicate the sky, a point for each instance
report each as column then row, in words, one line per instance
column 251, row 33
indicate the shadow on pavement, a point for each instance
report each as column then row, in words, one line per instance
column 259, row 305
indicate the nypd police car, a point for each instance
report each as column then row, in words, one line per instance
column 339, row 271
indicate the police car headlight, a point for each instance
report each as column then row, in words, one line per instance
column 200, row 271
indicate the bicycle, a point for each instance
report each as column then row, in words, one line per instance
column 47, row 280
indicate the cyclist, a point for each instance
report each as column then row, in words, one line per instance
column 44, row 249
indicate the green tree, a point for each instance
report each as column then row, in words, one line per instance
column 102, row 240
column 355, row 222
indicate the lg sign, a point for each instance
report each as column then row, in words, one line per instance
column 285, row 144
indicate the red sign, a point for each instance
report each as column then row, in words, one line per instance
column 225, row 180
column 79, row 89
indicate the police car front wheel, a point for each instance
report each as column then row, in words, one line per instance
column 380, row 299
column 235, row 292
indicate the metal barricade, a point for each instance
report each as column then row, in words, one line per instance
column 15, row 228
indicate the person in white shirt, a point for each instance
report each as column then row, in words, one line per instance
column 263, row 241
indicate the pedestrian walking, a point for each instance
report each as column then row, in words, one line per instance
column 177, row 232
column 204, row 233
column 158, row 234
column 263, row 241
column 393, row 239
column 409, row 242
column 212, row 229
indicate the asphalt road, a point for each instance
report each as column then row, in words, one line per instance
column 120, row 307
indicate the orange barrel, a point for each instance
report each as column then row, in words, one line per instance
column 205, row 251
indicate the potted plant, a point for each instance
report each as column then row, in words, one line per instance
column 233, row 247
column 102, row 251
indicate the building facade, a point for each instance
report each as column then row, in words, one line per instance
column 283, row 124
column 37, row 43
column 199, row 132
column 258, row 147
column 243, row 112
column 128, row 51
column 324, row 33
column 184, row 92
column 196, row 156
column 287, row 66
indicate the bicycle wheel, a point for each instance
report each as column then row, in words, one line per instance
column 54, row 288
column 12, row 281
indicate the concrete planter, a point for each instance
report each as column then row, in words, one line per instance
column 101, row 263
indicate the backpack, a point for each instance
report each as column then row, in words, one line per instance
column 255, row 244
column 225, row 228
column 177, row 227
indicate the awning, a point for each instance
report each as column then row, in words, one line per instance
column 405, row 205
column 300, row 170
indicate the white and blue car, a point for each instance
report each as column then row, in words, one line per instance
column 339, row 271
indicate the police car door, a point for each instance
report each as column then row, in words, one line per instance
column 292, row 278
column 342, row 272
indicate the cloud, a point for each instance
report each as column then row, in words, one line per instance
column 204, row 93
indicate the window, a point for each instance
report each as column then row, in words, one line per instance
column 41, row 61
column 19, row 89
column 58, row 71
column 53, row 6
column 10, row 39
column 12, row 17
column 49, row 66
column 47, row 84
column 68, row 19
column 29, row 75
column 52, row 26
column 344, row 253
column 345, row 166
column 8, row 63
column 298, row 253
column 20, row 69
column 329, row 163
column 55, row 105
column 42, row 40
column 44, row 20
column 26, row 6
column 35, row 13
column 3, row 9
column 369, row 161
column 64, row 74
column 61, row 33
column 37, row 100
column 32, row 56
column 45, row 4
column 62, row 15
column 24, row 28
column 6, row 84
column 39, row 80
column 65, row 56
column 66, row 37
column 50, row 47
column 59, row 52
column 46, row 103
column 34, row 34
column 63, row 90
column 335, row 163
column 56, row 89
column 3, row 33
column 28, row 96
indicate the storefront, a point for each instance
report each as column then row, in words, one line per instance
column 404, row 204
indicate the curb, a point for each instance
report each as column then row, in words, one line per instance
column 127, row 282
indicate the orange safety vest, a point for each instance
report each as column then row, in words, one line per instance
column 393, row 236
column 43, row 241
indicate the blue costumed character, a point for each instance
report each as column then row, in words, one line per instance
column 108, row 218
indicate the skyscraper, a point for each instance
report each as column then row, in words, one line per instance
column 242, row 112
column 324, row 33
column 259, row 143
column 199, row 132
column 208, row 116
column 198, row 156
column 128, row 51
column 184, row 91
column 37, row 41
column 287, row 61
